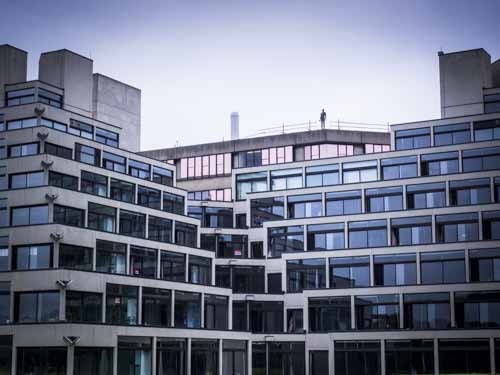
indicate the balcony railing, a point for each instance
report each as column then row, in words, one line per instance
column 316, row 125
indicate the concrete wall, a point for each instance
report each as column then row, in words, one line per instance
column 463, row 75
column 12, row 67
column 118, row 104
column 71, row 72
column 301, row 138
column 495, row 72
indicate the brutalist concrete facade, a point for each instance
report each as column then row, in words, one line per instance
column 327, row 251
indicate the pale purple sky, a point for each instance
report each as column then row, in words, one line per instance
column 272, row 61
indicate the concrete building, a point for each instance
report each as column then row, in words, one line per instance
column 330, row 251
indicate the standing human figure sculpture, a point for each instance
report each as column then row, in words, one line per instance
column 322, row 118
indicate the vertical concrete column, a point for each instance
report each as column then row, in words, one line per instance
column 327, row 273
column 382, row 355
column 172, row 308
column 492, row 356
column 433, row 229
column 108, row 186
column 419, row 166
column 432, row 136
column 51, row 211
column 306, row 247
column 436, row 357
column 173, row 232
column 405, row 198
column 115, row 358
column 331, row 356
column 127, row 260
column 153, row 354
column 419, row 274
column 285, row 208
column 62, row 304
column 266, row 286
column 202, row 318
column 379, row 170
column 480, row 223
column 139, row 306
column 401, row 312
column 230, row 312
column 158, row 263
column 284, row 284
column 460, row 167
column 249, row 356
column 146, row 226
column 188, row 356
column 346, row 234
column 70, row 355
column 285, row 321
column 452, row 310
column 220, row 357
column 447, row 193
column 187, row 269
column 14, row 357
column 467, row 266
column 117, row 218
column 363, row 201
column 323, row 204
column 388, row 226
column 212, row 281
column 372, row 270
column 94, row 258
column 55, row 255
column 353, row 313
column 307, row 359
column 103, row 312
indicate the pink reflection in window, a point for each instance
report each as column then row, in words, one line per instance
column 212, row 194
column 213, row 165
column 281, row 154
column 377, row 148
column 368, row 148
column 227, row 163
column 288, row 154
column 184, row 168
column 227, row 195
column 307, row 152
column 205, row 165
column 197, row 167
column 315, row 152
column 334, row 150
column 324, row 151
column 342, row 150
column 272, row 156
column 386, row 148
column 220, row 195
column 191, row 167
column 220, row 164
column 350, row 150
column 265, row 156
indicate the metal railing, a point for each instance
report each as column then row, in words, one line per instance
column 316, row 125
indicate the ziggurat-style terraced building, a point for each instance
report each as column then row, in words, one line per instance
column 327, row 251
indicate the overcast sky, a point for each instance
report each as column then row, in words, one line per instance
column 272, row 61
